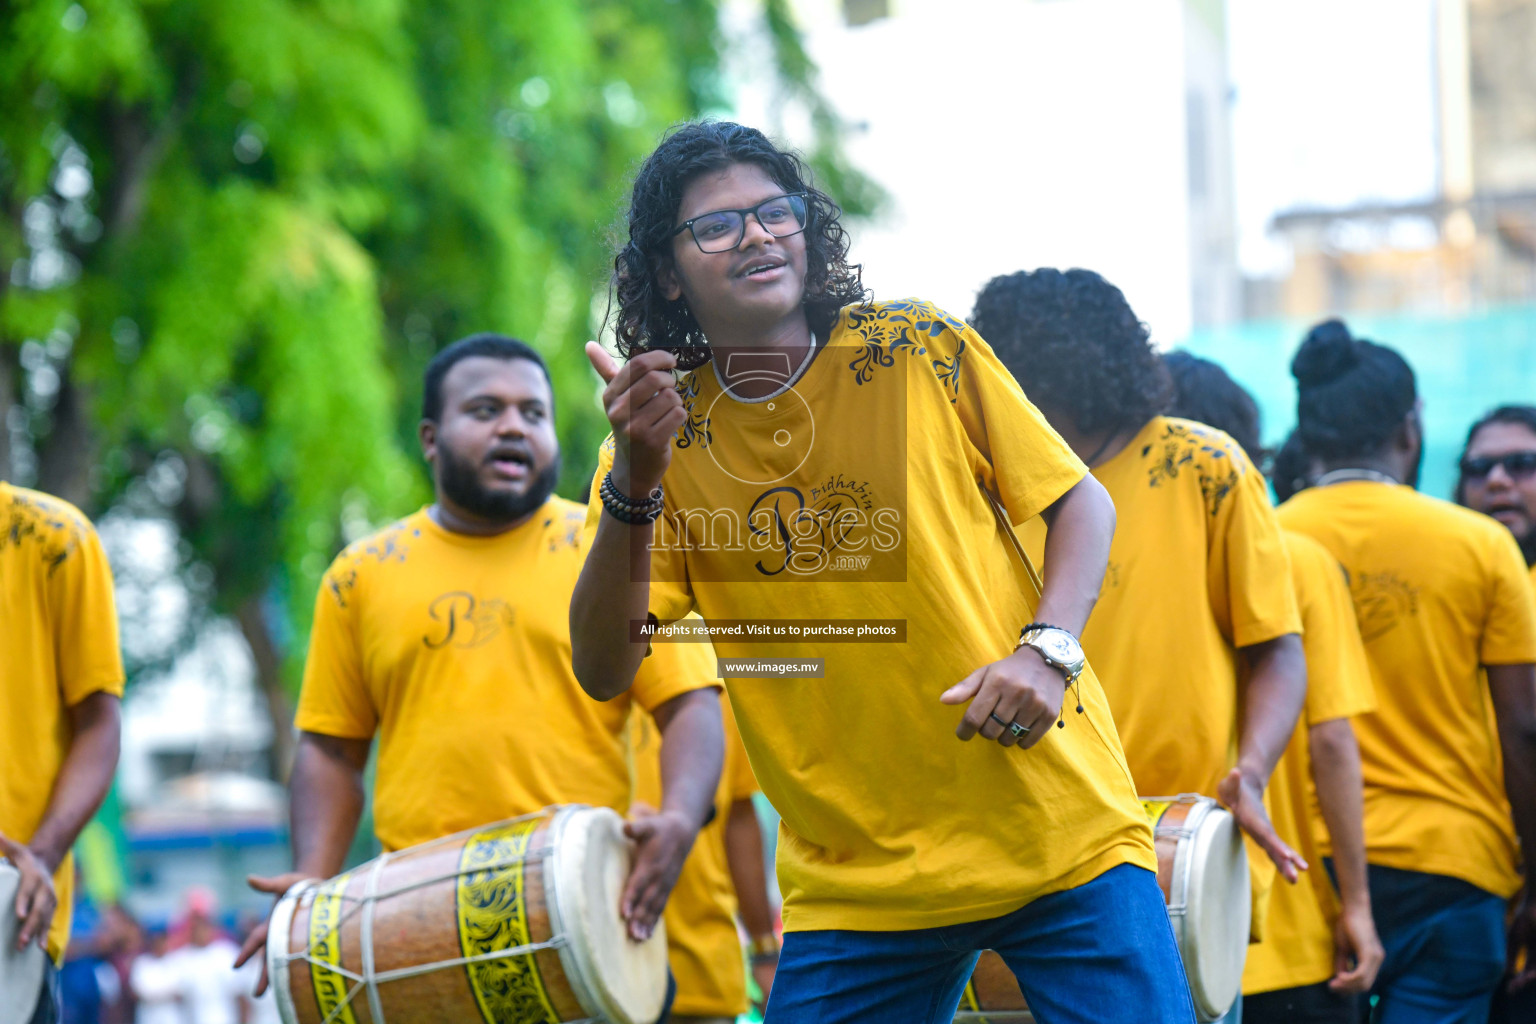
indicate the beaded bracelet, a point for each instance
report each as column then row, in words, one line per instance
column 626, row 509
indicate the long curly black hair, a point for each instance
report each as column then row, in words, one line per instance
column 646, row 319
column 1075, row 346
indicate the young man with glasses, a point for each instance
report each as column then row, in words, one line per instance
column 826, row 469
column 1448, row 618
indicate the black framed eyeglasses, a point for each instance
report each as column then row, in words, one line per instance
column 1519, row 465
column 723, row 230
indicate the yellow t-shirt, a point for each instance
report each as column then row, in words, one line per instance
column 856, row 496
column 703, row 945
column 456, row 650
column 1298, row 938
column 58, row 645
column 1438, row 591
column 1197, row 569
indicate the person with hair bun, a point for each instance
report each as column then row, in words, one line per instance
column 1449, row 622
column 1320, row 949
column 832, row 462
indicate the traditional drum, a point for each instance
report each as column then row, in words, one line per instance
column 512, row 923
column 21, row 973
column 1202, row 869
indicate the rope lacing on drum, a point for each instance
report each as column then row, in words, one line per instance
column 370, row 979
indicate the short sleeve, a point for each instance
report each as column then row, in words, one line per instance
column 673, row 669
column 86, row 642
column 671, row 597
column 1338, row 669
column 738, row 771
column 1249, row 577
column 1509, row 632
column 334, row 700
column 1023, row 460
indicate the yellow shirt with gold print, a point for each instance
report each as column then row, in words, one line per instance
column 1439, row 591
column 455, row 650
column 1298, row 940
column 857, row 495
column 58, row 645
column 703, row 944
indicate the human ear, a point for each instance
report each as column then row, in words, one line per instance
column 667, row 281
column 426, row 432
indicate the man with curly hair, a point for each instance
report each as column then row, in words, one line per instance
column 831, row 464
column 1196, row 634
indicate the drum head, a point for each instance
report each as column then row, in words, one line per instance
column 21, row 974
column 615, row 979
column 1214, row 939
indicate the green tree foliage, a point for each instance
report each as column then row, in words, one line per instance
column 232, row 234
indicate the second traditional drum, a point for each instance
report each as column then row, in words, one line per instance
column 512, row 923
column 1202, row 869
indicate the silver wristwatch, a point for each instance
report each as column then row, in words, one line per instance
column 1058, row 647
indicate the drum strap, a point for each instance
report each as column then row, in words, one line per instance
column 1032, row 583
column 1033, row 586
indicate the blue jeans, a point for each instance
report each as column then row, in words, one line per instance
column 1102, row 953
column 1445, row 948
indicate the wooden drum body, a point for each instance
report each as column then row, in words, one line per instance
column 512, row 923
column 1202, row 869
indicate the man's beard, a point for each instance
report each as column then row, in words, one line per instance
column 460, row 481
column 1528, row 545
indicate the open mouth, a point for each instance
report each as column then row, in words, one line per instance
column 762, row 268
column 515, row 465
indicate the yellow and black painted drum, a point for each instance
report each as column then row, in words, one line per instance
column 511, row 923
column 1202, row 869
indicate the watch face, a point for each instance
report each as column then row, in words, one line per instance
column 1059, row 647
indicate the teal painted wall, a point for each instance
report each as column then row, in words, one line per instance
column 1465, row 366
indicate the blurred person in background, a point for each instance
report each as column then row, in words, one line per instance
column 1498, row 473
column 1448, row 616
column 211, row 990
column 458, row 613
column 1498, row 478
column 1292, row 468
column 1196, row 633
column 60, row 691
column 155, row 983
column 1317, row 956
column 724, row 878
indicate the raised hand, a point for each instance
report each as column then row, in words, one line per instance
column 645, row 410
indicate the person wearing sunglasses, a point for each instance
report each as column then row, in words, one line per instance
column 822, row 465
column 1448, row 617
column 1498, row 473
column 1498, row 478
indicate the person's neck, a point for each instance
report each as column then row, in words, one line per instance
column 789, row 337
column 1381, row 464
column 1095, row 448
column 456, row 520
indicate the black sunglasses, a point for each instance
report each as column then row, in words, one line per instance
column 1518, row 465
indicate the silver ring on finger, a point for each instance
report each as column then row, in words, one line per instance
column 1018, row 730
column 993, row 715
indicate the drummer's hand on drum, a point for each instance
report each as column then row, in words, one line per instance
column 36, row 899
column 645, row 410
column 663, row 840
column 256, row 941
column 1241, row 794
column 1020, row 688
